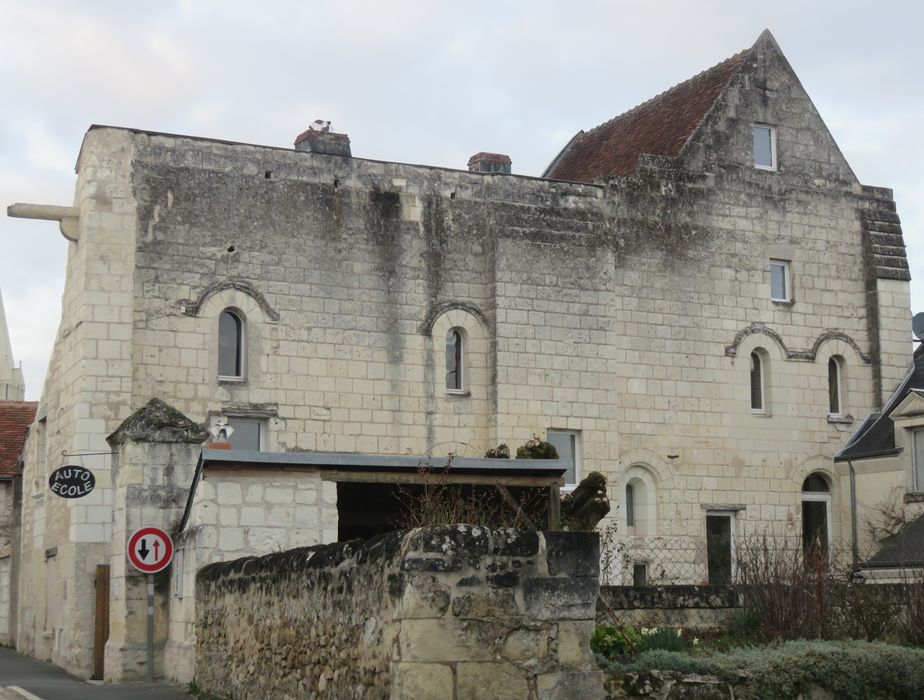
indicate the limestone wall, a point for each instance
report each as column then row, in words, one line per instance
column 237, row 514
column 437, row 613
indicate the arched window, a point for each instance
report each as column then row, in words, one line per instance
column 230, row 345
column 816, row 516
column 454, row 360
column 757, row 383
column 630, row 505
column 835, row 387
column 640, row 505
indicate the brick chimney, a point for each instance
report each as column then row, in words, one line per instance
column 320, row 140
column 489, row 163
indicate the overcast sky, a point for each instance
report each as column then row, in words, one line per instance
column 423, row 82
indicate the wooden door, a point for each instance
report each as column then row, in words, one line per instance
column 101, row 635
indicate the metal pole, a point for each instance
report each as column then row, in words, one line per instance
column 150, row 627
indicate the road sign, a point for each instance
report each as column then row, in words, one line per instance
column 150, row 550
column 71, row 481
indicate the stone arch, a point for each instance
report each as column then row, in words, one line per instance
column 475, row 359
column 254, row 319
column 195, row 307
column 440, row 310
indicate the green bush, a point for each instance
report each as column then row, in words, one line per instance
column 610, row 641
column 744, row 624
column 853, row 670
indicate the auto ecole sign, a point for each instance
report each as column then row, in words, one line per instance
column 150, row 550
column 71, row 481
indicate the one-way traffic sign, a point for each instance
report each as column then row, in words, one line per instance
column 150, row 550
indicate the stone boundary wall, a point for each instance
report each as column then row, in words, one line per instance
column 669, row 685
column 438, row 612
column 689, row 607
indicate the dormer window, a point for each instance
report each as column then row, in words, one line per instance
column 764, row 147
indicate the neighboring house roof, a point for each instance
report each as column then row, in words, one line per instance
column 876, row 436
column 661, row 126
column 906, row 549
column 15, row 419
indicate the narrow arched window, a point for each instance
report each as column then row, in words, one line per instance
column 454, row 360
column 816, row 517
column 834, row 386
column 230, row 345
column 757, row 383
column 630, row 505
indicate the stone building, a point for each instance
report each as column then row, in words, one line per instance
column 694, row 299
column 16, row 416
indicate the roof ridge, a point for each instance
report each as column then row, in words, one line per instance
column 738, row 57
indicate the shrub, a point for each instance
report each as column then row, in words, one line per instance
column 744, row 624
column 851, row 670
column 610, row 641
column 910, row 622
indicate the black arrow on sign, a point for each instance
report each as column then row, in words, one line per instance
column 143, row 549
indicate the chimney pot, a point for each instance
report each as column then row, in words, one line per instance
column 489, row 163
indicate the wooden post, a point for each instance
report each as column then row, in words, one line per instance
column 554, row 507
column 101, row 623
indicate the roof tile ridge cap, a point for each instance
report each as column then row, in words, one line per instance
column 736, row 58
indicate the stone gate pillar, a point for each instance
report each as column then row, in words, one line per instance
column 156, row 451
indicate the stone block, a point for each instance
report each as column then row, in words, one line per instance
column 491, row 681
column 573, row 553
column 435, row 641
column 568, row 686
column 421, row 681
column 530, row 645
column 560, row 598
column 228, row 493
column 423, row 596
column 574, row 643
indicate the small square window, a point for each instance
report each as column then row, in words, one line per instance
column 247, row 434
column 779, row 281
column 764, row 147
column 568, row 445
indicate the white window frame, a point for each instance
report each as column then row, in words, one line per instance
column 916, row 484
column 460, row 370
column 787, row 280
column 242, row 342
column 822, row 497
column 733, row 516
column 762, row 359
column 839, row 376
column 773, row 161
column 577, row 454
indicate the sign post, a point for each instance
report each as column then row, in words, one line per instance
column 150, row 550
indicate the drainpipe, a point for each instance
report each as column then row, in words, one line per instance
column 854, row 548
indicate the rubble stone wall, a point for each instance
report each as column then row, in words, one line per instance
column 438, row 612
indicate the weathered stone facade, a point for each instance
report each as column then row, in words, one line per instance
column 624, row 310
column 432, row 613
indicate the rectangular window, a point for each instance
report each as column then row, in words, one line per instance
column 247, row 434
column 779, row 280
column 764, row 147
column 640, row 575
column 568, row 444
column 918, row 476
column 720, row 546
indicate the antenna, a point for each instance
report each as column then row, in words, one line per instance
column 917, row 325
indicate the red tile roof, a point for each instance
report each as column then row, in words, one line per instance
column 660, row 126
column 15, row 419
